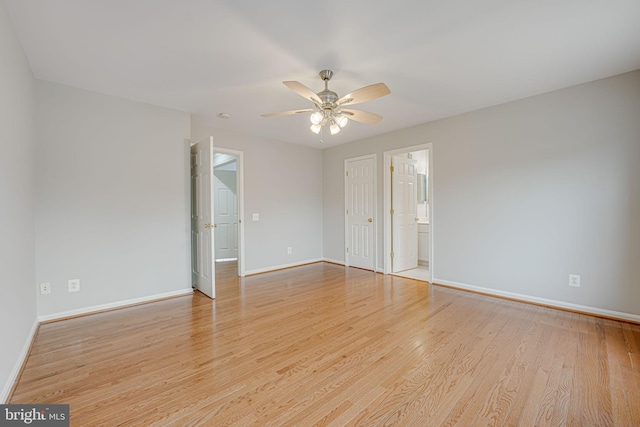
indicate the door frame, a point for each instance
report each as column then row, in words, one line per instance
column 239, row 155
column 387, row 204
column 374, row 242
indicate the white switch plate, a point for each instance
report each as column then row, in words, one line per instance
column 45, row 288
column 574, row 280
column 289, row 250
column 256, row 217
column 74, row 285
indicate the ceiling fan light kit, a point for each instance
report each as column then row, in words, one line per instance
column 334, row 128
column 316, row 117
column 315, row 128
column 328, row 106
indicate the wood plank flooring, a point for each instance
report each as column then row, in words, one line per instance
column 327, row 345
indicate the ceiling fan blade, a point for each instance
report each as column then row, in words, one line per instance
column 362, row 116
column 367, row 93
column 288, row 113
column 303, row 91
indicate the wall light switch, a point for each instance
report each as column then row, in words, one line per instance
column 74, row 285
column 574, row 280
column 256, row 217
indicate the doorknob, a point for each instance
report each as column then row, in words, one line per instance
column 215, row 225
column 207, row 226
column 370, row 220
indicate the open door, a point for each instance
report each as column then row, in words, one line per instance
column 404, row 199
column 202, row 232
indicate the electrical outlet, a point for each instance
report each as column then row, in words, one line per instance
column 255, row 217
column 289, row 250
column 74, row 285
column 574, row 280
column 45, row 288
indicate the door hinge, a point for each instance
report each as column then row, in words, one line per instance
column 347, row 211
column 392, row 169
column 392, row 254
column 347, row 250
column 391, row 212
column 347, row 173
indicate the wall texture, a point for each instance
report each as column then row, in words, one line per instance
column 283, row 184
column 526, row 193
column 112, row 199
column 17, row 251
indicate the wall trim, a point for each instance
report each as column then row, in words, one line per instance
column 342, row 263
column 47, row 318
column 12, row 381
column 335, row 261
column 567, row 306
column 282, row 266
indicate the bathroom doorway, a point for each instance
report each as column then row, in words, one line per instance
column 408, row 190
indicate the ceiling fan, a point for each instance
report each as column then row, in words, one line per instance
column 328, row 107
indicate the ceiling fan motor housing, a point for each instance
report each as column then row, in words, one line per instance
column 327, row 96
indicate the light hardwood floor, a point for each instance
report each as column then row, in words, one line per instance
column 327, row 345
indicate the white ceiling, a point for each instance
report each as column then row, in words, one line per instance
column 439, row 58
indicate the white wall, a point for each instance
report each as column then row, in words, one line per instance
column 17, row 252
column 527, row 193
column 282, row 183
column 112, row 199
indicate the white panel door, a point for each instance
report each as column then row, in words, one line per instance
column 226, row 215
column 404, row 199
column 203, row 267
column 360, row 207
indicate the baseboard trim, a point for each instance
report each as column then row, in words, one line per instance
column 12, row 381
column 337, row 262
column 48, row 318
column 281, row 267
column 561, row 305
